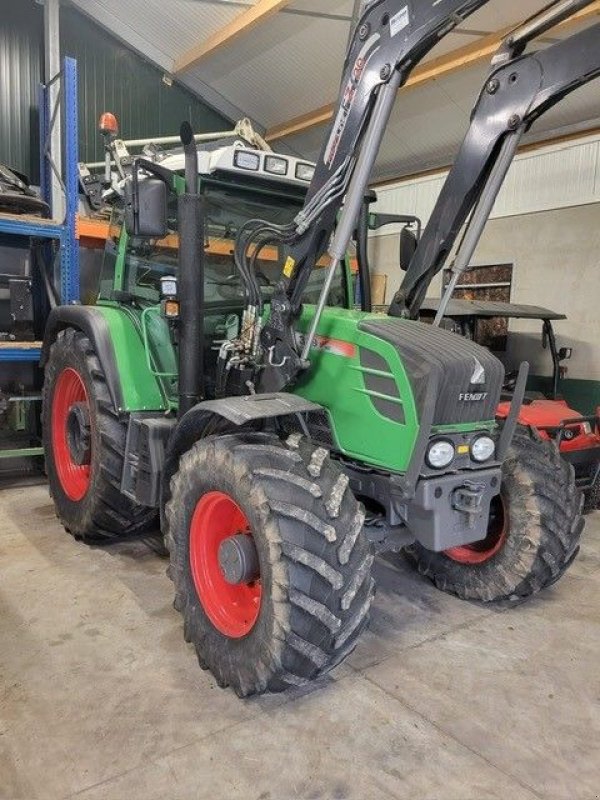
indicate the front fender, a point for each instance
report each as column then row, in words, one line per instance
column 224, row 416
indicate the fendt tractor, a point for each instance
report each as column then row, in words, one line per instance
column 224, row 381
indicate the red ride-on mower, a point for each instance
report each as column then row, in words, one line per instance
column 577, row 436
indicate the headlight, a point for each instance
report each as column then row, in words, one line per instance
column 482, row 449
column 440, row 454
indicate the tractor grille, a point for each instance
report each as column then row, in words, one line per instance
column 461, row 379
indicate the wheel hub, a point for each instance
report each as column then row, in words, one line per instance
column 79, row 433
column 71, row 434
column 224, row 565
column 238, row 559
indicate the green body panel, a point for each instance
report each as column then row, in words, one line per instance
column 337, row 382
column 141, row 390
column 120, row 263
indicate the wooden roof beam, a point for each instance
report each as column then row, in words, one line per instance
column 243, row 24
column 461, row 58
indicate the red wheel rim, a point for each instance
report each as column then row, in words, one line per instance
column 74, row 478
column 483, row 551
column 233, row 610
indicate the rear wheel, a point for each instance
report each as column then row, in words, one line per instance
column 271, row 568
column 84, row 442
column 533, row 536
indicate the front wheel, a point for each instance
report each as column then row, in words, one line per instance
column 271, row 568
column 533, row 535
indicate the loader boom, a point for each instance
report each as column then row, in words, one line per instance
column 519, row 89
column 391, row 37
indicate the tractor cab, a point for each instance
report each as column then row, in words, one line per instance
column 238, row 183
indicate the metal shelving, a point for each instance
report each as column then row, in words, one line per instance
column 60, row 235
column 64, row 232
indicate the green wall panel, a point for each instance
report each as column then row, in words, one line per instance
column 582, row 396
column 111, row 78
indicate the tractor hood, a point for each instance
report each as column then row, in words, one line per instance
column 463, row 379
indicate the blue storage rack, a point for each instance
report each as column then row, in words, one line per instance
column 64, row 232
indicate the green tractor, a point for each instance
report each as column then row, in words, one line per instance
column 224, row 382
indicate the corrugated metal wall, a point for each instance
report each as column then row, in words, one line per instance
column 111, row 78
column 21, row 67
column 558, row 176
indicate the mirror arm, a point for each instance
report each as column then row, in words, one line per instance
column 377, row 221
column 551, row 338
column 164, row 174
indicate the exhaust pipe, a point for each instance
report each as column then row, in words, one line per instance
column 191, row 280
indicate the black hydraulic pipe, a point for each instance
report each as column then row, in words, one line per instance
column 191, row 281
column 362, row 255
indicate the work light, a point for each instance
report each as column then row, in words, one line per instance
column 276, row 165
column 305, row 172
column 245, row 160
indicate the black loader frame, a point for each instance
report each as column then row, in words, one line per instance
column 519, row 89
column 391, row 37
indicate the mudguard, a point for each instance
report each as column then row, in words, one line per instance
column 233, row 412
column 91, row 322
column 117, row 340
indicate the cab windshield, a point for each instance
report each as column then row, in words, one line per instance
column 134, row 268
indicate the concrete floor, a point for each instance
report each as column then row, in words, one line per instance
column 100, row 697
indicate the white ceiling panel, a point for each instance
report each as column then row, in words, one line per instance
column 170, row 28
column 271, row 73
column 291, row 65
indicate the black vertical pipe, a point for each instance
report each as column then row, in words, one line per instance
column 362, row 252
column 191, row 281
column 549, row 333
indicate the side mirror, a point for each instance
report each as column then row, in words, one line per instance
column 565, row 353
column 408, row 247
column 146, row 208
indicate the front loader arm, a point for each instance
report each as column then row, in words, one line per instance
column 391, row 37
column 516, row 94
